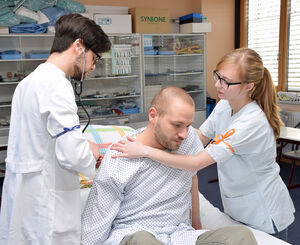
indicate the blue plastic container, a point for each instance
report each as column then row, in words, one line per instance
column 166, row 52
column 11, row 54
column 191, row 18
column 36, row 55
column 150, row 52
column 131, row 110
column 126, row 111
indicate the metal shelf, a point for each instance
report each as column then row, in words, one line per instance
column 288, row 102
column 114, row 77
column 5, row 105
column 172, row 55
column 9, row 83
column 105, row 117
column 186, row 73
column 175, row 74
column 21, row 60
column 111, row 98
column 27, row 35
column 195, row 91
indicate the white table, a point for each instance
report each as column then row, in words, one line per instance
column 289, row 135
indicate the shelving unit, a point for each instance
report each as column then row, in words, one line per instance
column 125, row 80
column 115, row 89
column 118, row 76
column 14, row 67
column 178, row 60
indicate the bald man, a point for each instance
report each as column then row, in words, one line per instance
column 139, row 201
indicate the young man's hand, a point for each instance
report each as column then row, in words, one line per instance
column 95, row 148
column 99, row 160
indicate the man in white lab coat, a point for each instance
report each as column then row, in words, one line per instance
column 46, row 148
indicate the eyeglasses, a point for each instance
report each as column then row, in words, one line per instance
column 97, row 59
column 223, row 82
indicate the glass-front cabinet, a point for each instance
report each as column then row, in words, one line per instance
column 113, row 90
column 175, row 60
column 19, row 55
column 123, row 82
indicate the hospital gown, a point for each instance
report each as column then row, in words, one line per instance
column 244, row 147
column 130, row 195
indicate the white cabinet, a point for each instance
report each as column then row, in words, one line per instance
column 113, row 90
column 177, row 60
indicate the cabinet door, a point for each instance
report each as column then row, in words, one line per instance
column 20, row 55
column 175, row 60
column 114, row 89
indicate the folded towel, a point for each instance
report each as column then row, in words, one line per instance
column 29, row 28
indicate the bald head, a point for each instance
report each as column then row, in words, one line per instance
column 166, row 97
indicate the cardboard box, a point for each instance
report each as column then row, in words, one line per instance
column 4, row 30
column 150, row 20
column 195, row 27
column 98, row 9
column 114, row 23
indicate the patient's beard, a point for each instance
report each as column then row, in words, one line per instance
column 163, row 139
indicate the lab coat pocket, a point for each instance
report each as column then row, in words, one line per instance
column 67, row 213
column 247, row 209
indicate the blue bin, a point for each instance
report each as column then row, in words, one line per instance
column 126, row 111
column 11, row 54
column 36, row 55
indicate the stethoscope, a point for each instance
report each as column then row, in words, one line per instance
column 78, row 91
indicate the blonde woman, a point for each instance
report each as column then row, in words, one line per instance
column 243, row 128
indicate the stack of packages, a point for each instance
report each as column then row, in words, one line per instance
column 34, row 16
column 194, row 23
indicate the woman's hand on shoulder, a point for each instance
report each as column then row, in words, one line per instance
column 130, row 148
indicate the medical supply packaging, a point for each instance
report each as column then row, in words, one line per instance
column 194, row 23
column 150, row 20
column 114, row 23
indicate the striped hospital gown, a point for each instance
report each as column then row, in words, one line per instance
column 130, row 195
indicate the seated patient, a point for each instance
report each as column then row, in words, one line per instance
column 139, row 201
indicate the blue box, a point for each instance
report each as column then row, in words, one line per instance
column 126, row 111
column 150, row 52
column 11, row 54
column 36, row 55
column 191, row 18
column 166, row 52
column 131, row 110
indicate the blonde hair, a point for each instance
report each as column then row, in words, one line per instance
column 165, row 96
column 252, row 70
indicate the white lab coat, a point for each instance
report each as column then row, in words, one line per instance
column 251, row 188
column 41, row 195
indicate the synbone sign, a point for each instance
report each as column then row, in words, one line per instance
column 153, row 19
